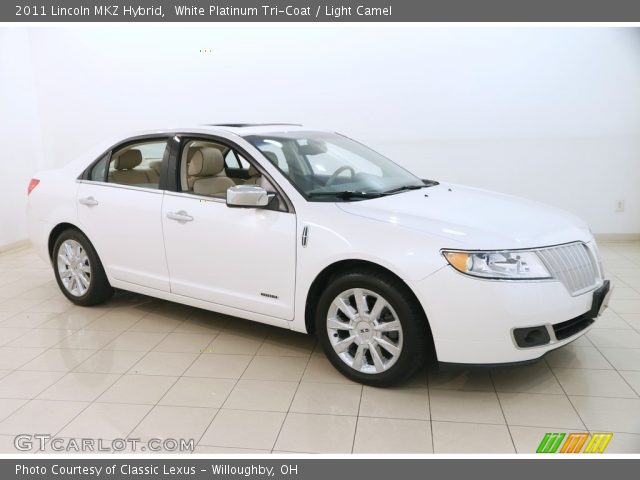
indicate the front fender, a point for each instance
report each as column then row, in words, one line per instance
column 337, row 237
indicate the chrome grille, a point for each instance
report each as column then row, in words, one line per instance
column 575, row 265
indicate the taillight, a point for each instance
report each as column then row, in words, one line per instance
column 32, row 184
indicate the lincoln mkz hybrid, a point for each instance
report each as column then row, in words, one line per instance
column 312, row 231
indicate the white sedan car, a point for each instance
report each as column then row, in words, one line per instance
column 312, row 231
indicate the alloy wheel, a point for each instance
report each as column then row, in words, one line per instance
column 74, row 268
column 364, row 331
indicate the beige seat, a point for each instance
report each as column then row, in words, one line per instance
column 154, row 171
column 125, row 169
column 190, row 152
column 190, row 179
column 205, row 166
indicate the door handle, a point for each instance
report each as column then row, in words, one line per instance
column 180, row 216
column 88, row 201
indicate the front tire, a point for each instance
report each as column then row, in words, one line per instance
column 372, row 328
column 78, row 269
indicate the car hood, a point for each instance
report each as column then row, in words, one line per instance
column 473, row 218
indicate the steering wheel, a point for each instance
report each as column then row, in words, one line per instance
column 335, row 174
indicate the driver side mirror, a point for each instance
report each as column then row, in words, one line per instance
column 248, row 196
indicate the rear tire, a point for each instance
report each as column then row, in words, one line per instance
column 78, row 269
column 372, row 328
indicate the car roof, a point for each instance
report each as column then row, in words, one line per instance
column 243, row 129
column 240, row 129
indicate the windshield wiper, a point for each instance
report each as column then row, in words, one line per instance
column 345, row 194
column 404, row 188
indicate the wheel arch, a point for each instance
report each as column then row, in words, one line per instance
column 341, row 266
column 55, row 233
column 99, row 289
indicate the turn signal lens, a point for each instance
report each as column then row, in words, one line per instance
column 32, row 184
column 458, row 260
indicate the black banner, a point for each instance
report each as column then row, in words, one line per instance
column 316, row 469
column 320, row 11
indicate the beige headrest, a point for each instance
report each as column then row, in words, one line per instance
column 128, row 160
column 253, row 171
column 191, row 151
column 206, row 162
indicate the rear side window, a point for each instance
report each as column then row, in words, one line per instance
column 137, row 165
column 99, row 170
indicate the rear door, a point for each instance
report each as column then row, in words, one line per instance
column 119, row 208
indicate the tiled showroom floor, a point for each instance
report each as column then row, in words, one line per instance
column 145, row 368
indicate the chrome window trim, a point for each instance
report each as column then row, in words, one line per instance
column 194, row 196
column 156, row 191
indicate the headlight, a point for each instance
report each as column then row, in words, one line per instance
column 500, row 265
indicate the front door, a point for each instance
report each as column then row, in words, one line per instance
column 238, row 257
column 243, row 258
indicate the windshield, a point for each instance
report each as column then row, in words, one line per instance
column 327, row 166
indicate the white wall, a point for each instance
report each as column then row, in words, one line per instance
column 546, row 113
column 19, row 132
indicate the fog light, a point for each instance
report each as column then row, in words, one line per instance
column 531, row 336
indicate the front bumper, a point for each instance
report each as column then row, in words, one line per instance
column 477, row 321
column 531, row 337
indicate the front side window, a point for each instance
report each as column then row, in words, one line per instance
column 209, row 168
column 327, row 166
column 136, row 165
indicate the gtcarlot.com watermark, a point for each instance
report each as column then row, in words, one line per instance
column 48, row 443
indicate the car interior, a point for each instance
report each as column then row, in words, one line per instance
column 209, row 168
column 206, row 168
column 137, row 165
column 317, row 165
